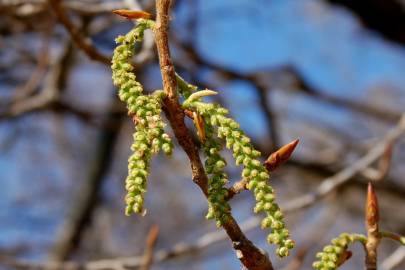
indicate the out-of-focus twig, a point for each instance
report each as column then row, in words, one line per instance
column 36, row 76
column 395, row 259
column 383, row 166
column 80, row 40
column 27, row 8
column 85, row 43
column 270, row 116
column 150, row 245
column 350, row 171
column 50, row 91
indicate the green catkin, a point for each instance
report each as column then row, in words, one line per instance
column 218, row 206
column 253, row 171
column 146, row 110
column 329, row 258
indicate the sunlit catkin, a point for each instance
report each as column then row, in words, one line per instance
column 146, row 112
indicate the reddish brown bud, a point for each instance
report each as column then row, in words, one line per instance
column 372, row 216
column 280, row 156
column 132, row 14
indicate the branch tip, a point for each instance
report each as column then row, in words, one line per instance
column 372, row 214
column 373, row 235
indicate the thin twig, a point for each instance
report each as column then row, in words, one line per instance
column 383, row 166
column 393, row 236
column 271, row 119
column 347, row 173
column 35, row 79
column 150, row 245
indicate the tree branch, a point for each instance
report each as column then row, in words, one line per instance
column 250, row 256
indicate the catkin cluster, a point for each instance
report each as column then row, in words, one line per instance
column 212, row 124
column 332, row 255
column 253, row 171
column 146, row 112
column 218, row 206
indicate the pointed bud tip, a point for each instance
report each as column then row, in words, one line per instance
column 281, row 155
column 371, row 195
column 287, row 150
column 372, row 215
column 132, row 14
column 295, row 142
